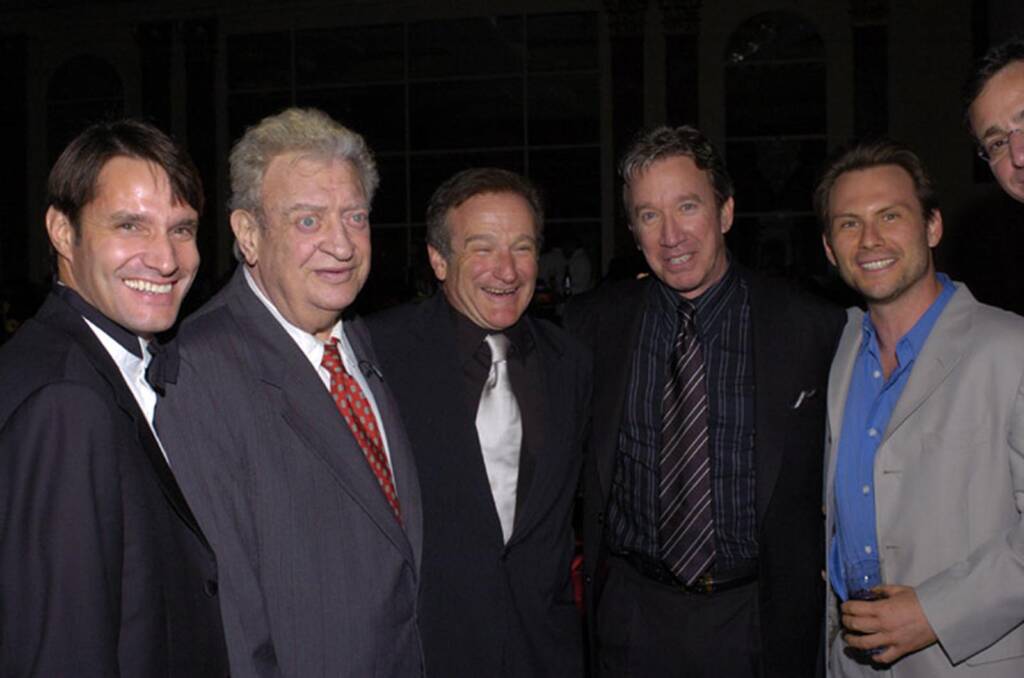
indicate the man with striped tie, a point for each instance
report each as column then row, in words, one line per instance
column 702, row 512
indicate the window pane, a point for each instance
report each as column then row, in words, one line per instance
column 245, row 110
column 478, row 46
column 774, row 36
column 349, row 54
column 259, row 61
column 570, row 180
column 774, row 174
column 428, row 171
column 466, row 114
column 775, row 99
column 564, row 109
column 559, row 42
column 389, row 203
column 375, row 111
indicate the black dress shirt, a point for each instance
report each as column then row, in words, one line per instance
column 723, row 325
column 525, row 374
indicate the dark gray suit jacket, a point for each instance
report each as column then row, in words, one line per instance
column 488, row 608
column 794, row 336
column 318, row 577
column 103, row 569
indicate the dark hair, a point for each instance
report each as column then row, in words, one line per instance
column 994, row 60
column 867, row 155
column 72, row 182
column 659, row 143
column 471, row 182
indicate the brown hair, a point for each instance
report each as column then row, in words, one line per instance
column 72, row 182
column 471, row 182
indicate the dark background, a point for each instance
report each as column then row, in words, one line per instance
column 552, row 89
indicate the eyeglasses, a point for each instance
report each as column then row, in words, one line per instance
column 994, row 148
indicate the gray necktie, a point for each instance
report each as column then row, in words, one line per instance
column 500, row 430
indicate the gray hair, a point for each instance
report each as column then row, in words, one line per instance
column 663, row 142
column 295, row 129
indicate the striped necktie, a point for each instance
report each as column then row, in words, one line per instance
column 686, row 527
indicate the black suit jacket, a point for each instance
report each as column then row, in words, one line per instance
column 105, row 572
column 318, row 578
column 794, row 336
column 486, row 608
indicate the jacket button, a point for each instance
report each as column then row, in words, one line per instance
column 210, row 587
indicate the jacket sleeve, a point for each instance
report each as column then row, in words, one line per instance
column 977, row 601
column 61, row 527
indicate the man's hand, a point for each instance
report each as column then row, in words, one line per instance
column 895, row 623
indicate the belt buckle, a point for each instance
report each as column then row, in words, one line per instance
column 705, row 583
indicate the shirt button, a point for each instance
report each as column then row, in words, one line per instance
column 872, row 432
column 876, row 374
column 866, row 489
column 867, row 549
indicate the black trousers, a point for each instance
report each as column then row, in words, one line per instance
column 646, row 629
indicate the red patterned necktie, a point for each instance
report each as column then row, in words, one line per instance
column 356, row 410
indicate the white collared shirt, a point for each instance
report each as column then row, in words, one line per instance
column 313, row 349
column 133, row 370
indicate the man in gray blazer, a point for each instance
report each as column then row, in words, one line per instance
column 925, row 460
column 281, row 431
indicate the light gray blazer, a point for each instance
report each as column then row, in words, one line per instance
column 949, row 492
column 317, row 577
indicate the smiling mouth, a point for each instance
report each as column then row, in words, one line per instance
column 877, row 265
column 681, row 259
column 147, row 287
column 500, row 293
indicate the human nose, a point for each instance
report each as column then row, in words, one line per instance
column 870, row 235
column 1015, row 140
column 161, row 255
column 672, row 231
column 338, row 242
column 504, row 266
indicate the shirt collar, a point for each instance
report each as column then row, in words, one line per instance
column 469, row 336
column 911, row 343
column 126, row 339
column 707, row 306
column 312, row 347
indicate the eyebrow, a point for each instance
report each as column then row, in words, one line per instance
column 680, row 198
column 999, row 129
column 880, row 210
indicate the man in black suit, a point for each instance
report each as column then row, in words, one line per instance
column 105, row 572
column 702, row 492
column 498, row 484
column 283, row 435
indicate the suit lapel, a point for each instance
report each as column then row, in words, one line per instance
column 771, row 349
column 942, row 350
column 617, row 333
column 555, row 407
column 452, row 416
column 840, row 374
column 62, row 316
column 308, row 409
column 402, row 462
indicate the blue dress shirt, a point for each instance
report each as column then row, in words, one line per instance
column 869, row 405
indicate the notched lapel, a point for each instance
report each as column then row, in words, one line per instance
column 550, row 460
column 942, row 351
column 67, row 320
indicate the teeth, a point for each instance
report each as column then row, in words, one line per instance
column 681, row 259
column 877, row 265
column 500, row 293
column 148, row 287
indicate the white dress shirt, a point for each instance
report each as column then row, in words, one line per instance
column 313, row 349
column 133, row 370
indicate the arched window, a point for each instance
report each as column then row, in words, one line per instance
column 83, row 90
column 776, row 140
